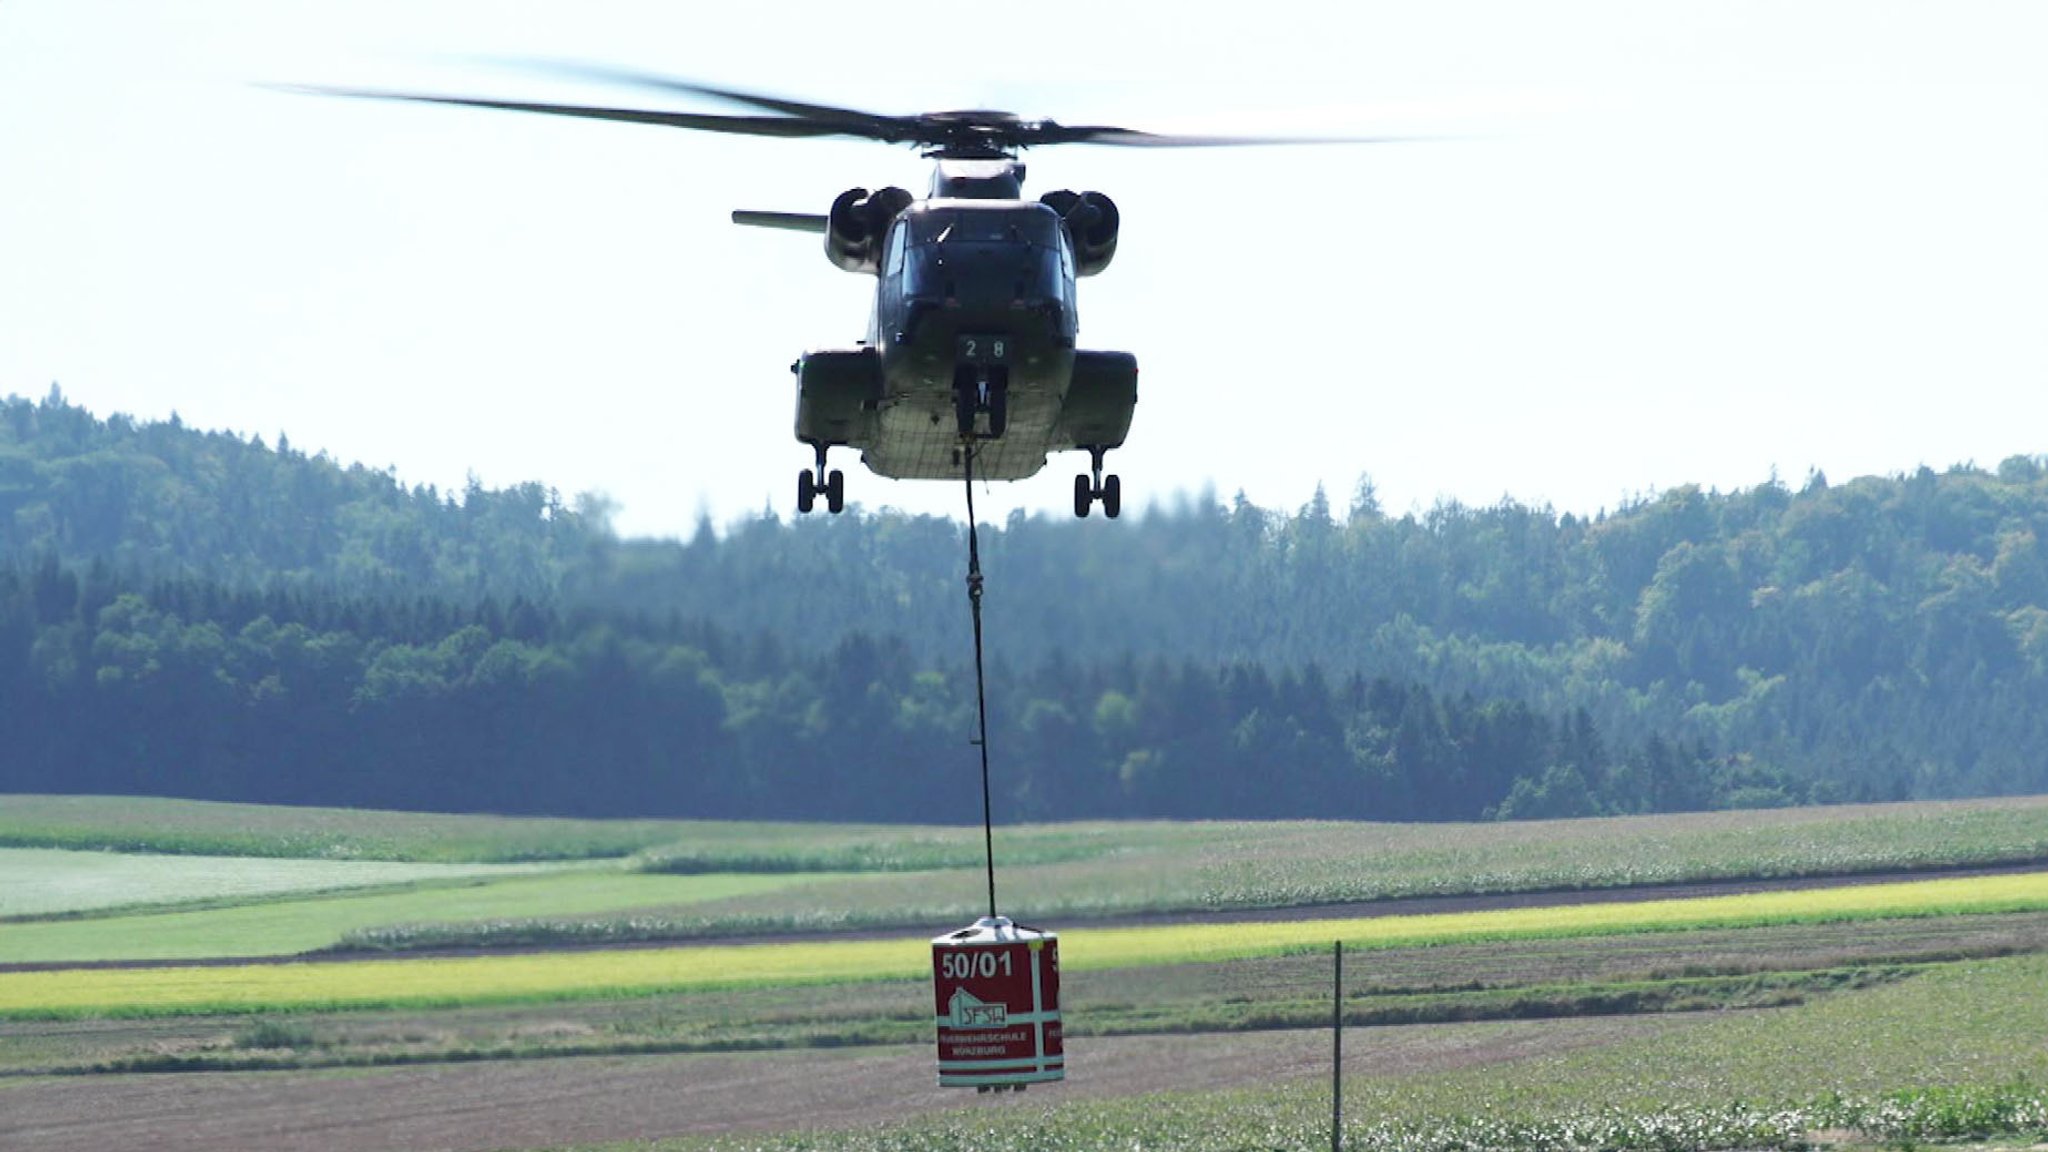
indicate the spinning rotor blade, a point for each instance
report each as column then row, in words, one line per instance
column 849, row 121
column 789, row 221
column 961, row 134
column 1132, row 138
column 786, row 126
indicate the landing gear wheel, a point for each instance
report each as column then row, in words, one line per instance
column 806, row 491
column 835, row 492
column 1094, row 486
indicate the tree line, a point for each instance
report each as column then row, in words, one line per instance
column 184, row 688
column 201, row 614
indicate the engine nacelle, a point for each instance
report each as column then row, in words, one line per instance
column 857, row 224
column 1092, row 220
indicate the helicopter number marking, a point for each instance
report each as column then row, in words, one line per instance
column 984, row 349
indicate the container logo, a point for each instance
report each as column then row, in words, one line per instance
column 970, row 1011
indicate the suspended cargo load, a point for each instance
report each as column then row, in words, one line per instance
column 997, row 989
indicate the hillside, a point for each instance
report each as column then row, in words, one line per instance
column 195, row 614
column 161, row 499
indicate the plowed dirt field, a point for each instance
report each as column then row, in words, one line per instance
column 543, row 1103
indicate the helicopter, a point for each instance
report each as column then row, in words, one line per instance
column 970, row 366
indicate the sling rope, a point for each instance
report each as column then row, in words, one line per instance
column 988, row 837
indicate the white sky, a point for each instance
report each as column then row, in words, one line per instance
column 1667, row 243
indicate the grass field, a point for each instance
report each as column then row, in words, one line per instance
column 1279, row 864
column 192, row 827
column 1211, row 867
column 1065, row 874
column 50, row 881
column 1905, row 1012
column 286, row 927
column 639, row 972
column 1897, row 1011
column 1062, row 874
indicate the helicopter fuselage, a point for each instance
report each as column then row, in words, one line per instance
column 975, row 298
column 971, row 345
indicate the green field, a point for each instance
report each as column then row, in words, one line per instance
column 285, row 927
column 1279, row 864
column 192, row 827
column 1897, row 1011
column 824, row 878
column 52, row 881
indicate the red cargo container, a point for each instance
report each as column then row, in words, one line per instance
column 997, row 989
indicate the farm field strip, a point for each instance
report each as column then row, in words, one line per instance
column 1932, row 1058
column 1954, row 1053
column 1272, row 862
column 1645, row 975
column 150, row 824
column 52, row 881
column 285, row 927
column 141, row 824
column 622, row 973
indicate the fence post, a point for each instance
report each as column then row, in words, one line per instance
column 1337, row 1049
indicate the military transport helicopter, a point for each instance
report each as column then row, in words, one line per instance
column 970, row 360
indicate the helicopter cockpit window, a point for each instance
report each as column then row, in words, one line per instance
column 898, row 243
column 1031, row 224
column 1011, row 250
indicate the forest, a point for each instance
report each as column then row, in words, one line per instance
column 196, row 613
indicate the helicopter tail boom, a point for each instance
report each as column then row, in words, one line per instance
column 787, row 221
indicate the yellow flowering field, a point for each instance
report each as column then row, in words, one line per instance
column 450, row 981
